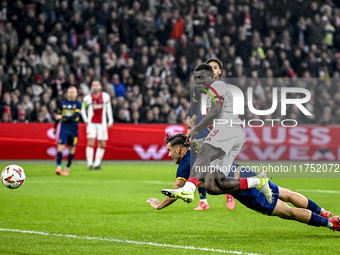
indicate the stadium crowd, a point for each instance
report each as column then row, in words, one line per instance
column 144, row 53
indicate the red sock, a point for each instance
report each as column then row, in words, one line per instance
column 194, row 181
column 243, row 183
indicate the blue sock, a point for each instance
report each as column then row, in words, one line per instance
column 317, row 221
column 312, row 206
column 59, row 158
column 202, row 192
column 69, row 160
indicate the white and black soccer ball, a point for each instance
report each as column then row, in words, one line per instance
column 13, row 176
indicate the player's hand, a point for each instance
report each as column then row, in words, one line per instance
column 110, row 126
column 196, row 144
column 154, row 202
column 58, row 117
column 191, row 136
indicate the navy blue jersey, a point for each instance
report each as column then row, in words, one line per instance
column 71, row 116
column 195, row 111
column 183, row 170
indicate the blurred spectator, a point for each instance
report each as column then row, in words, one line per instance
column 145, row 52
column 9, row 34
column 118, row 86
column 5, row 117
column 8, row 106
column 38, row 86
column 13, row 84
column 49, row 58
column 21, row 117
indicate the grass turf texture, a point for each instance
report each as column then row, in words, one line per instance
column 112, row 204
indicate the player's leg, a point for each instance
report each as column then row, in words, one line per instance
column 99, row 154
column 102, row 136
column 61, row 146
column 72, row 142
column 60, row 150
column 203, row 204
column 91, row 136
column 209, row 153
column 301, row 201
column 231, row 185
column 284, row 211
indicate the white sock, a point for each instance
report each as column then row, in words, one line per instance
column 99, row 156
column 330, row 225
column 89, row 155
column 204, row 200
column 321, row 211
column 253, row 182
column 189, row 187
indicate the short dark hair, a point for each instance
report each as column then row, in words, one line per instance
column 204, row 67
column 219, row 62
column 178, row 139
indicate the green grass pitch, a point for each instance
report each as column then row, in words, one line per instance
column 105, row 212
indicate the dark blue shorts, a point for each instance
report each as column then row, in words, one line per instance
column 69, row 138
column 253, row 198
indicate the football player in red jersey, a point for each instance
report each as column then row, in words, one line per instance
column 96, row 109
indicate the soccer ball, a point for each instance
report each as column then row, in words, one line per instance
column 13, row 176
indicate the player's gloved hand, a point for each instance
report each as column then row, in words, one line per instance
column 154, row 202
column 196, row 143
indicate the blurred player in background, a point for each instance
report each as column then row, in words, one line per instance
column 96, row 109
column 69, row 114
column 196, row 117
column 306, row 210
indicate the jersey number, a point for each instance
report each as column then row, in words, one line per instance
column 212, row 134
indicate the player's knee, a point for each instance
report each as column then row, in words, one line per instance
column 293, row 213
column 285, row 194
column 211, row 186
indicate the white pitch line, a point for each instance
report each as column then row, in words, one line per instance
column 319, row 191
column 62, row 180
column 125, row 241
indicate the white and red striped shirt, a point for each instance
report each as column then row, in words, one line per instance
column 98, row 109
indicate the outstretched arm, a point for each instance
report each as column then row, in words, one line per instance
column 213, row 114
column 154, row 202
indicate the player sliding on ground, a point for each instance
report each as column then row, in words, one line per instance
column 222, row 144
column 307, row 211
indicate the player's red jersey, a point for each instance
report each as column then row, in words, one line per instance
column 98, row 105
